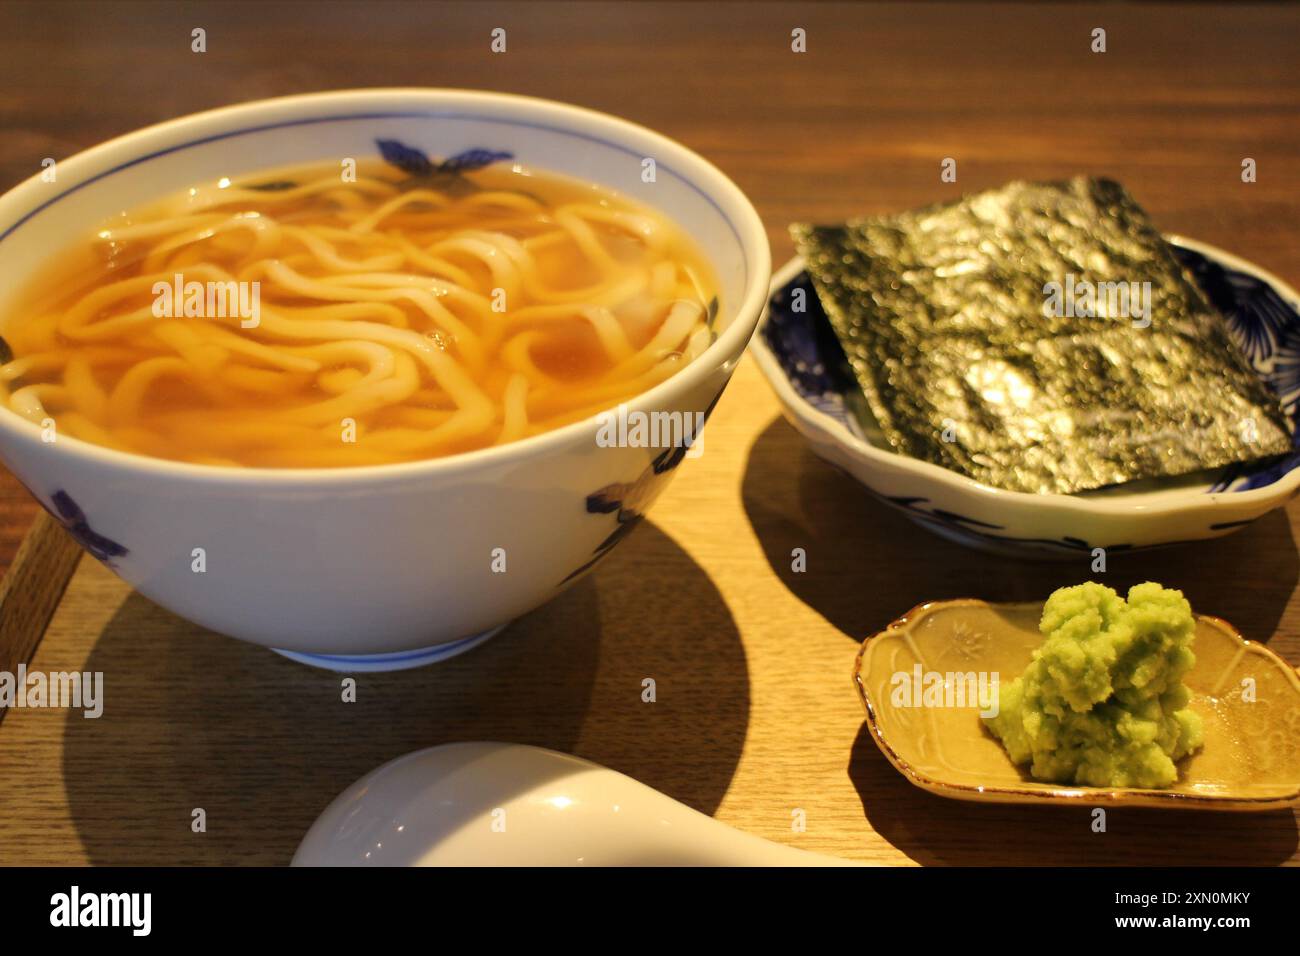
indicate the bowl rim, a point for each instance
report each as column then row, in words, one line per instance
column 1056, row 503
column 82, row 169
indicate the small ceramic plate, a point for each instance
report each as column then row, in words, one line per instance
column 801, row 359
column 1251, row 757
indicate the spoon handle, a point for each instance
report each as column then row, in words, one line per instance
column 695, row 839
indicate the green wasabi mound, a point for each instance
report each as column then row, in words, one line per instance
column 1103, row 703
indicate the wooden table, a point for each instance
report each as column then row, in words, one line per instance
column 756, row 717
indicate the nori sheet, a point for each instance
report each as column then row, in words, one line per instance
column 968, row 327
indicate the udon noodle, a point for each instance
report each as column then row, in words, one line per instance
column 297, row 320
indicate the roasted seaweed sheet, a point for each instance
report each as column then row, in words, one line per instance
column 970, row 327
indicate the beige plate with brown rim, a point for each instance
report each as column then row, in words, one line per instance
column 1251, row 757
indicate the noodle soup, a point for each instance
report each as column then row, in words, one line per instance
column 309, row 318
column 425, row 322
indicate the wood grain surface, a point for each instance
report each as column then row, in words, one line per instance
column 756, row 717
column 31, row 589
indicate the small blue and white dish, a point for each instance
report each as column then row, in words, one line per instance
column 798, row 353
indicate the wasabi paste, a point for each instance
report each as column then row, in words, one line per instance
column 1103, row 703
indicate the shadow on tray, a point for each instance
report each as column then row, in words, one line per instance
column 263, row 744
column 935, row 830
column 867, row 564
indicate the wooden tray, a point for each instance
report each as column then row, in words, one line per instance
column 755, row 719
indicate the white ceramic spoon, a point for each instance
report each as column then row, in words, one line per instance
column 472, row 804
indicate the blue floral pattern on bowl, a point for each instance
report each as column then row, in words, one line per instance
column 1267, row 330
column 70, row 515
column 448, row 174
column 628, row 501
column 800, row 336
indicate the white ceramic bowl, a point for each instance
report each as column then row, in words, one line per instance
column 797, row 354
column 388, row 566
